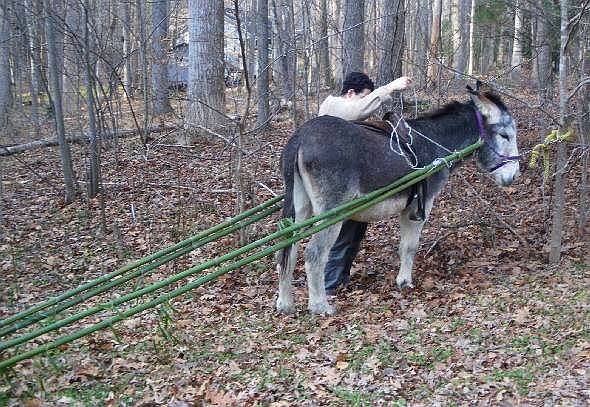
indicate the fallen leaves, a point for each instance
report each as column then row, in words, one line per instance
column 522, row 316
column 485, row 319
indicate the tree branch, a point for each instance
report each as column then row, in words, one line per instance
column 583, row 82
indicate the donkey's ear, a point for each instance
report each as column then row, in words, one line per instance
column 470, row 90
column 486, row 107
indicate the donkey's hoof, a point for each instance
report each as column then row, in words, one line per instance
column 322, row 309
column 401, row 284
column 285, row 307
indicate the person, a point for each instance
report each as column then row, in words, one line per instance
column 358, row 100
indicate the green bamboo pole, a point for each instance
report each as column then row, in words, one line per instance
column 335, row 218
column 142, row 271
column 138, row 263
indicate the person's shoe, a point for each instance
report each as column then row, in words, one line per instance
column 330, row 292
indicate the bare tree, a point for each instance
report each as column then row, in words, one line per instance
column 262, row 82
column 127, row 47
column 323, row 45
column 72, row 56
column 419, row 34
column 583, row 111
column 353, row 43
column 93, row 136
column 516, row 60
column 560, row 162
column 55, row 86
column 5, row 77
column 206, row 86
column 391, row 40
column 542, row 63
column 471, row 62
column 433, row 65
column 161, row 103
column 460, row 34
column 143, row 63
column 285, row 44
column 26, row 24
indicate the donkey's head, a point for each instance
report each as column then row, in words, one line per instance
column 499, row 154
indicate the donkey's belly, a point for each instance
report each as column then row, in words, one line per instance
column 382, row 210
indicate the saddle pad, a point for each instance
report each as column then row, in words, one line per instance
column 384, row 127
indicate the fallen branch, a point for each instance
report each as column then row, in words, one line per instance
column 79, row 138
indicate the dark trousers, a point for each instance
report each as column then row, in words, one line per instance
column 342, row 254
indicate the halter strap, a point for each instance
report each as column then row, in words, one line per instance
column 483, row 134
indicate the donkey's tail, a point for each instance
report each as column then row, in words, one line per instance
column 289, row 169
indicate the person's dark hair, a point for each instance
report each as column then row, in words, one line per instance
column 357, row 81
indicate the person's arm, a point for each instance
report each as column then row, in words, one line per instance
column 369, row 104
column 400, row 83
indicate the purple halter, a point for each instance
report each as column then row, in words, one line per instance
column 488, row 140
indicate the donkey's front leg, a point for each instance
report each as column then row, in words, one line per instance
column 409, row 237
column 316, row 257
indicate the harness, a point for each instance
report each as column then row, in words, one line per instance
column 402, row 131
column 483, row 134
column 418, row 191
column 404, row 138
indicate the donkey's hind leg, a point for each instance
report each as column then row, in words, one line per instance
column 316, row 257
column 410, row 231
column 287, row 258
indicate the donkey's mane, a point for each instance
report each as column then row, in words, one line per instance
column 453, row 107
column 495, row 98
column 456, row 107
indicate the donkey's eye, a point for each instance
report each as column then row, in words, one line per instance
column 504, row 136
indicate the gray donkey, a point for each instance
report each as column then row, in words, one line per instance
column 329, row 161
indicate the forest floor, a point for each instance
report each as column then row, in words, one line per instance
column 489, row 322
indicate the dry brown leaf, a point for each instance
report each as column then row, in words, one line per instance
column 522, row 316
column 428, row 284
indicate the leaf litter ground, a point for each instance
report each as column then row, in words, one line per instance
column 488, row 322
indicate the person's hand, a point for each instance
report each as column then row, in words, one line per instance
column 399, row 84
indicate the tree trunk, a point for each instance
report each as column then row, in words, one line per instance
column 542, row 64
column 460, row 24
column 433, row 66
column 81, row 138
column 263, row 65
column 141, row 21
column 371, row 53
column 422, row 41
column 516, row 60
column 323, row 45
column 53, row 60
column 560, row 162
column 353, row 44
column 487, row 53
column 584, row 133
column 161, row 103
column 127, row 48
column 206, row 86
column 93, row 136
column 305, row 35
column 35, row 38
column 5, row 77
column 72, row 57
column 283, row 17
column 251, row 35
column 391, row 41
column 335, row 41
column 471, row 62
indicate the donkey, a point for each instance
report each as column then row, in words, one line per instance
column 329, row 161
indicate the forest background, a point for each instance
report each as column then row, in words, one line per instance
column 128, row 125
